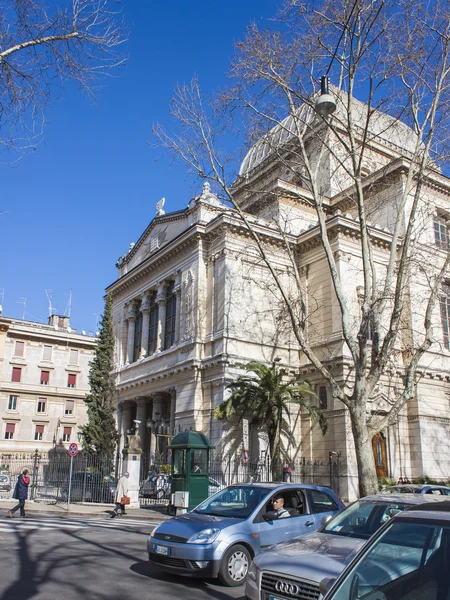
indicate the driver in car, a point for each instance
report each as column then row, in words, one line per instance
column 278, row 508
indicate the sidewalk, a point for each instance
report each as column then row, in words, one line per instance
column 152, row 512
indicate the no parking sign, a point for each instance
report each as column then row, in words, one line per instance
column 73, row 449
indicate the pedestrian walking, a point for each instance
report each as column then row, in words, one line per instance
column 21, row 493
column 121, row 496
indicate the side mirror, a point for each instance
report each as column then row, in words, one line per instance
column 326, row 584
column 326, row 520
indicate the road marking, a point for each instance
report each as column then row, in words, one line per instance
column 61, row 523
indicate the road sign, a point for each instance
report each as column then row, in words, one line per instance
column 73, row 449
column 244, row 457
column 245, row 433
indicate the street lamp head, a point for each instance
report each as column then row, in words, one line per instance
column 325, row 103
column 137, row 422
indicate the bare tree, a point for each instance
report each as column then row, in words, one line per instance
column 41, row 50
column 395, row 57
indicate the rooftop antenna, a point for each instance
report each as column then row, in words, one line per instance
column 69, row 305
column 96, row 315
column 24, row 302
column 49, row 294
column 2, row 295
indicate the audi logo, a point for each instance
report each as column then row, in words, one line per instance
column 285, row 587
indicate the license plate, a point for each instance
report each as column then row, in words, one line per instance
column 162, row 550
column 274, row 598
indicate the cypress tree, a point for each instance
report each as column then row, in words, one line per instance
column 100, row 434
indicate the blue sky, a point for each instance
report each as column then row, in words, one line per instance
column 74, row 205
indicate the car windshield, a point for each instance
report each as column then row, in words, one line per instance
column 236, row 502
column 408, row 561
column 4, row 478
column 361, row 519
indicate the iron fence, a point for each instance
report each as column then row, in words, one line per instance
column 91, row 479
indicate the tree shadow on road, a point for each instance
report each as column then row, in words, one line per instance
column 211, row 585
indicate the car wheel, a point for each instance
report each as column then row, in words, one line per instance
column 234, row 566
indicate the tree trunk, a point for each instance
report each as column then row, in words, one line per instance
column 367, row 475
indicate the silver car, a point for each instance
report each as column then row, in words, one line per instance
column 220, row 537
column 295, row 569
column 408, row 559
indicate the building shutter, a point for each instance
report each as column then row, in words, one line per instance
column 72, row 380
column 39, row 428
column 16, row 374
column 19, row 348
column 69, row 407
column 45, row 376
column 47, row 353
column 10, row 427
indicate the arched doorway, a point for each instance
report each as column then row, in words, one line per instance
column 379, row 454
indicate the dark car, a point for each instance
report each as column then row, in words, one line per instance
column 408, row 559
column 89, row 487
column 412, row 488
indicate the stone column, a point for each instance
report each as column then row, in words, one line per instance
column 173, row 410
column 156, row 422
column 161, row 300
column 141, row 415
column 177, row 291
column 145, row 309
column 123, row 340
column 126, row 423
column 131, row 317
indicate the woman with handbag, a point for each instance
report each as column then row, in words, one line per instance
column 121, row 496
column 21, row 494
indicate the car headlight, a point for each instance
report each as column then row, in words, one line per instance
column 206, row 536
column 154, row 531
column 253, row 572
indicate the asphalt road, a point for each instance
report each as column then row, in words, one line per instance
column 54, row 558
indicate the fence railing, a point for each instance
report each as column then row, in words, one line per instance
column 93, row 477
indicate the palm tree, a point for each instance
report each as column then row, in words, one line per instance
column 267, row 395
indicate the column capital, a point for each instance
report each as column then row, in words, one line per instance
column 130, row 311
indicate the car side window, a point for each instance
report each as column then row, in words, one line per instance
column 435, row 492
column 322, row 502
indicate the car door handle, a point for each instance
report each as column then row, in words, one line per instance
column 309, row 523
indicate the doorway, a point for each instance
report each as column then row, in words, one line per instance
column 379, row 454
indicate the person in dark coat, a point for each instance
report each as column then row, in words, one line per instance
column 21, row 493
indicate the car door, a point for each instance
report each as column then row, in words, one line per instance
column 322, row 505
column 282, row 530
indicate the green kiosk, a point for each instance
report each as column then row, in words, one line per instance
column 190, row 470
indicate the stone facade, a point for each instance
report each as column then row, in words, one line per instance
column 44, row 381
column 193, row 298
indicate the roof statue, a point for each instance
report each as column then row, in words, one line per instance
column 208, row 196
column 159, row 207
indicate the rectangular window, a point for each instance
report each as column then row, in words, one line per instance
column 71, row 380
column 41, row 405
column 47, row 353
column 19, row 349
column 153, row 327
column 16, row 374
column 73, row 358
column 9, row 431
column 323, row 398
column 39, row 433
column 68, row 410
column 171, row 307
column 441, row 233
column 137, row 336
column 66, row 434
column 444, row 302
column 12, row 402
column 45, row 377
